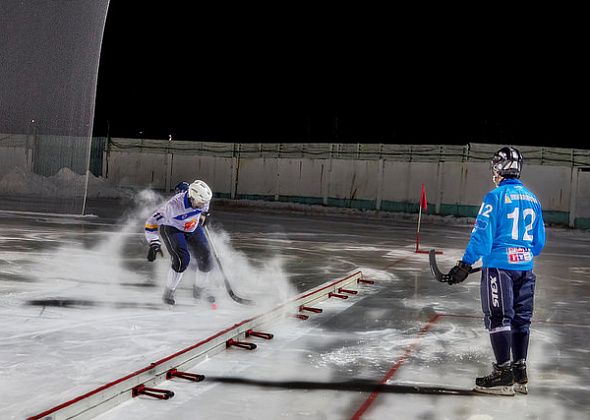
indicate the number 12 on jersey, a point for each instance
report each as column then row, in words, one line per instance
column 528, row 215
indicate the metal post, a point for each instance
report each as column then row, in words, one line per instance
column 573, row 192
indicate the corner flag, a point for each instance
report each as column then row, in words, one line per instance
column 423, row 203
column 423, row 206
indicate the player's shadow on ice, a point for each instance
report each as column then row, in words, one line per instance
column 83, row 303
column 356, row 385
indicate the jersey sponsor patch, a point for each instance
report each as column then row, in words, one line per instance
column 480, row 224
column 524, row 197
column 507, row 200
column 519, row 255
column 190, row 225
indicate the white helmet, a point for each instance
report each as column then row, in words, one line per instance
column 199, row 193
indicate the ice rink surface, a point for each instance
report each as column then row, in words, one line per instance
column 80, row 307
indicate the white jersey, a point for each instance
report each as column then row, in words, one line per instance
column 176, row 212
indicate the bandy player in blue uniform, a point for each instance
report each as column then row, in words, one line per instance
column 507, row 235
column 180, row 224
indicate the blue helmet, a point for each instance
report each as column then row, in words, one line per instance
column 181, row 187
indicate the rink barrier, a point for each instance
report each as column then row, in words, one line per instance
column 361, row 280
column 241, row 344
column 350, row 292
column 266, row 336
column 174, row 373
column 143, row 381
column 161, row 394
column 309, row 309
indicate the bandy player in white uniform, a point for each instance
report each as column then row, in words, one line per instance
column 180, row 224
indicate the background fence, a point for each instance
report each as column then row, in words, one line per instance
column 380, row 177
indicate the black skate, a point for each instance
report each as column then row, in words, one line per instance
column 498, row 382
column 197, row 292
column 520, row 377
column 168, row 297
column 211, row 300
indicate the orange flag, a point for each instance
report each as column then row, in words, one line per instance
column 423, row 202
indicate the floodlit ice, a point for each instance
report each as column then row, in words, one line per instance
column 81, row 307
column 88, row 294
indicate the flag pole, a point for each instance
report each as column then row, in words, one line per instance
column 419, row 220
column 423, row 206
column 418, row 230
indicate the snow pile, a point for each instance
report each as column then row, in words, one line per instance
column 66, row 183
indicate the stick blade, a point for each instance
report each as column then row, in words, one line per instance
column 434, row 267
column 226, row 282
column 239, row 299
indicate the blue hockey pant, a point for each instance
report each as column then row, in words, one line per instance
column 507, row 299
column 181, row 246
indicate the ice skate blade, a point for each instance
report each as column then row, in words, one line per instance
column 496, row 390
column 521, row 388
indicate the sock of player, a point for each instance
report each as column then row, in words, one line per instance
column 501, row 345
column 203, row 279
column 520, row 345
column 174, row 278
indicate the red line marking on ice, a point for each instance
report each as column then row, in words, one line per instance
column 396, row 366
column 179, row 353
column 396, row 262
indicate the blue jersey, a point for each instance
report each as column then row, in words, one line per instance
column 509, row 229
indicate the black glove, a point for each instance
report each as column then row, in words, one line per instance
column 204, row 216
column 459, row 272
column 154, row 249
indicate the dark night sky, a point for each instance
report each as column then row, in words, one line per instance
column 321, row 76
